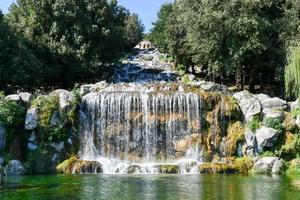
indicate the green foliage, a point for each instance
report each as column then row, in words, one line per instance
column 254, row 124
column 12, row 114
column 70, row 40
column 46, row 105
column 274, row 123
column 292, row 74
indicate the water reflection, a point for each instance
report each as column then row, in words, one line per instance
column 167, row 187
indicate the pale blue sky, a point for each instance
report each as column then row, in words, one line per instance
column 146, row 9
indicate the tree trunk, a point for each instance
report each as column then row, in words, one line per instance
column 251, row 80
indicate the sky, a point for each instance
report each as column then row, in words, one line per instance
column 146, row 9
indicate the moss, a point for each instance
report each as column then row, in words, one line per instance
column 243, row 165
column 254, row 124
column 236, row 133
column 291, row 148
column 74, row 165
column 293, row 167
column 12, row 114
column 46, row 106
column 275, row 124
column 231, row 107
column 290, row 123
column 217, row 168
column 168, row 169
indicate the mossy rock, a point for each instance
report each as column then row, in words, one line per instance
column 236, row 133
column 291, row 148
column 243, row 165
column 167, row 169
column 293, row 167
column 75, row 166
column 289, row 123
column 217, row 168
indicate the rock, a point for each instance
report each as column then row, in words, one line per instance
column 1, row 161
column 65, row 97
column 26, row 97
column 32, row 146
column 2, row 136
column 84, row 89
column 290, row 122
column 266, row 137
column 14, row 168
column 31, row 120
column 58, row 146
column 250, row 143
column 294, row 105
column 267, row 165
column 273, row 104
column 298, row 121
column 210, row 86
column 192, row 77
column 249, row 104
column 216, row 168
column 133, row 169
column 99, row 86
column 274, row 114
column 55, row 118
column 13, row 97
column 32, row 137
column 69, row 141
column 262, row 97
column 76, row 166
column 167, row 169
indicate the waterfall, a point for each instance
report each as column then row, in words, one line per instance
column 135, row 127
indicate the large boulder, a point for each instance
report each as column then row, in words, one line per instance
column 31, row 120
column 249, row 104
column 75, row 166
column 268, row 165
column 262, row 97
column 274, row 104
column 2, row 136
column 274, row 114
column 266, row 138
column 14, row 168
column 294, row 105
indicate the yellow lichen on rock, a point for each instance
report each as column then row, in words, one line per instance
column 236, row 133
column 75, row 166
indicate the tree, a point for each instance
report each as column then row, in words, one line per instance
column 73, row 38
column 134, row 31
column 18, row 66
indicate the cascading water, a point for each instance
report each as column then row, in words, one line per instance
column 134, row 128
column 2, row 137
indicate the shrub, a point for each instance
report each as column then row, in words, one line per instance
column 274, row 123
column 254, row 124
column 11, row 113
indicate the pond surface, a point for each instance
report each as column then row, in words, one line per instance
column 170, row 187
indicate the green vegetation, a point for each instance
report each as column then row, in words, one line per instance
column 292, row 74
column 275, row 124
column 52, row 42
column 254, row 124
column 12, row 114
column 244, row 41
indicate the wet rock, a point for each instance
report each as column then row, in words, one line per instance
column 76, row 166
column 14, row 168
column 32, row 146
column 26, row 97
column 250, row 145
column 133, row 169
column 249, row 104
column 216, row 168
column 32, row 137
column 273, row 104
column 31, row 120
column 266, row 138
column 2, row 136
column 59, row 146
column 267, row 165
column 84, row 89
column 65, row 97
column 167, row 169
column 55, row 118
column 1, row 161
column 99, row 86
column 13, row 97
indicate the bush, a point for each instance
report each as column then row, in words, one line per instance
column 274, row 123
column 11, row 113
column 254, row 124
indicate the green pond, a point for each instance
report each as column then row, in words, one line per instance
column 123, row 187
